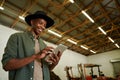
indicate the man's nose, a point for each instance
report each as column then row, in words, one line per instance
column 43, row 27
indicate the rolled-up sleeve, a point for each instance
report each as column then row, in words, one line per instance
column 21, row 45
column 10, row 50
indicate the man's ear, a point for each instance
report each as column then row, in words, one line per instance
column 31, row 22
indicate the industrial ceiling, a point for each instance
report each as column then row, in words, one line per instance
column 75, row 29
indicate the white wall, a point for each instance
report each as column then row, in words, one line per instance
column 4, row 35
column 69, row 58
column 104, row 60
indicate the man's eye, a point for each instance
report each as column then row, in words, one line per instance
column 40, row 22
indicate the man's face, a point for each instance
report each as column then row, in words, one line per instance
column 38, row 25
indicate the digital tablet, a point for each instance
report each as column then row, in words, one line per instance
column 60, row 48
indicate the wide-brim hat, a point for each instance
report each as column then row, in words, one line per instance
column 39, row 14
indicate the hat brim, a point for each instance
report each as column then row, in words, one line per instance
column 50, row 21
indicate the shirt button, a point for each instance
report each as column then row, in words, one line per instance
column 31, row 78
column 32, row 66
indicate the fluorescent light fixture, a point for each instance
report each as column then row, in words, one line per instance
column 21, row 17
column 88, row 16
column 50, row 31
column 92, row 51
column 72, row 1
column 111, row 39
column 117, row 45
column 2, row 8
column 102, row 30
column 114, row 60
column 71, row 41
column 83, row 47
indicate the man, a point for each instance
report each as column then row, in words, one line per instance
column 25, row 53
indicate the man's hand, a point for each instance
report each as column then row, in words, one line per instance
column 44, row 53
column 54, row 59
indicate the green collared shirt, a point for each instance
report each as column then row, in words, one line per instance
column 21, row 45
